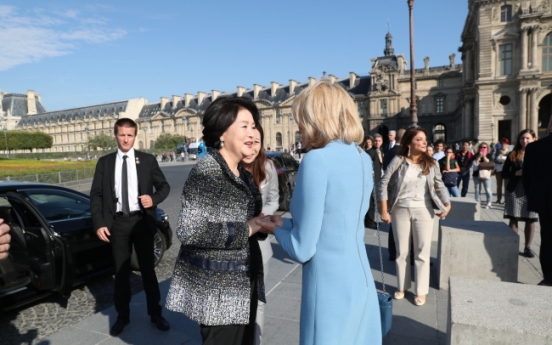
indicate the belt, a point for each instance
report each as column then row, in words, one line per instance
column 130, row 214
column 213, row 265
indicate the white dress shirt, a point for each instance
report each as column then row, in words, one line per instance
column 132, row 178
column 391, row 144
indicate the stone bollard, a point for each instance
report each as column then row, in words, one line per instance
column 484, row 312
column 478, row 250
column 461, row 209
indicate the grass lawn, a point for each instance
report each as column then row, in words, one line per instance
column 19, row 167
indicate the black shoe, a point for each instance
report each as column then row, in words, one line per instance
column 118, row 327
column 528, row 253
column 160, row 322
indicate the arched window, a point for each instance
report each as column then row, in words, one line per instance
column 278, row 139
column 298, row 137
column 547, row 53
column 439, row 132
column 141, row 145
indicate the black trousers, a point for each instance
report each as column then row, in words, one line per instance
column 233, row 334
column 124, row 233
column 545, row 255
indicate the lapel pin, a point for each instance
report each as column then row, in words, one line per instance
column 137, row 160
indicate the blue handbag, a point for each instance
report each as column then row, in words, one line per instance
column 385, row 300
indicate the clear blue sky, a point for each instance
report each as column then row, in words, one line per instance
column 83, row 53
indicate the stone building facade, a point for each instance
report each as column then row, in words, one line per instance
column 503, row 85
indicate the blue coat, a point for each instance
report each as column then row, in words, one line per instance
column 326, row 234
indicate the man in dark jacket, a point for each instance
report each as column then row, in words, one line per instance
column 537, row 164
column 464, row 159
column 377, row 158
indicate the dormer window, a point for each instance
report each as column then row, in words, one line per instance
column 506, row 13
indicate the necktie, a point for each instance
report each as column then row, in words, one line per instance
column 379, row 155
column 124, row 187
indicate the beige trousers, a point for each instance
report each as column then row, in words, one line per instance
column 417, row 221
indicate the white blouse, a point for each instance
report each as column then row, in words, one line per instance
column 414, row 191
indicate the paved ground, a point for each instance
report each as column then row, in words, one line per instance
column 411, row 324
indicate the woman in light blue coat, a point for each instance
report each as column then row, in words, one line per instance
column 326, row 233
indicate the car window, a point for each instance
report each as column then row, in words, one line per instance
column 276, row 161
column 57, row 205
column 27, row 217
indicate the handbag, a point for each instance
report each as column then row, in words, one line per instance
column 384, row 298
column 484, row 174
column 486, row 166
column 450, row 178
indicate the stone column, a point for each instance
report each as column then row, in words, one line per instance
column 534, row 114
column 468, row 116
column 468, row 70
column 524, row 49
column 534, row 35
column 522, row 110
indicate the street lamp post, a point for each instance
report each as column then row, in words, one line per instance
column 413, row 109
column 6, row 141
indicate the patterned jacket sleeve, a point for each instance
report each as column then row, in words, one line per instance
column 382, row 190
column 197, row 223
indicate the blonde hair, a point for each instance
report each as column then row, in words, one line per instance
column 326, row 112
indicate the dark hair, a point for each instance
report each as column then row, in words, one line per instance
column 426, row 161
column 365, row 139
column 479, row 147
column 465, row 142
column 518, row 152
column 221, row 114
column 505, row 141
column 257, row 167
column 125, row 122
column 439, row 141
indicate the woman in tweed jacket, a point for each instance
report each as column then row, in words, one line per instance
column 218, row 276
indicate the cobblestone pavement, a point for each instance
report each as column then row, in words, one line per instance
column 34, row 321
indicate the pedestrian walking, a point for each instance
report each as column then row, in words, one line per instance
column 218, row 276
column 465, row 160
column 123, row 206
column 516, row 207
column 407, row 192
column 500, row 158
column 339, row 302
column 482, row 174
column 537, row 164
column 266, row 179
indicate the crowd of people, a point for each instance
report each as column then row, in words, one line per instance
column 230, row 197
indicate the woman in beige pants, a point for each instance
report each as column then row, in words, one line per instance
column 408, row 193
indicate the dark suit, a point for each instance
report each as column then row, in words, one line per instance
column 391, row 239
column 370, row 218
column 537, row 165
column 137, row 230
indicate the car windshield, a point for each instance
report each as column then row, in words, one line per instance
column 57, row 205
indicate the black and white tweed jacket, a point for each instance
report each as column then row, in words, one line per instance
column 211, row 283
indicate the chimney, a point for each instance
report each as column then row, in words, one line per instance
column 187, row 99
column 292, row 84
column 312, row 80
column 175, row 100
column 452, row 57
column 332, row 78
column 163, row 102
column 352, row 79
column 241, row 90
column 256, row 89
column 200, row 97
column 426, row 64
column 31, row 102
column 214, row 94
column 273, row 88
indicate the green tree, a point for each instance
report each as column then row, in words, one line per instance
column 168, row 141
column 102, row 141
column 25, row 140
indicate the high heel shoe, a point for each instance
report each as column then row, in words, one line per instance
column 398, row 295
column 528, row 253
column 419, row 301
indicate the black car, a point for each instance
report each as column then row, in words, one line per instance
column 54, row 246
column 286, row 167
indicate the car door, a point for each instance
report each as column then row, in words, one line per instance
column 49, row 259
column 68, row 214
